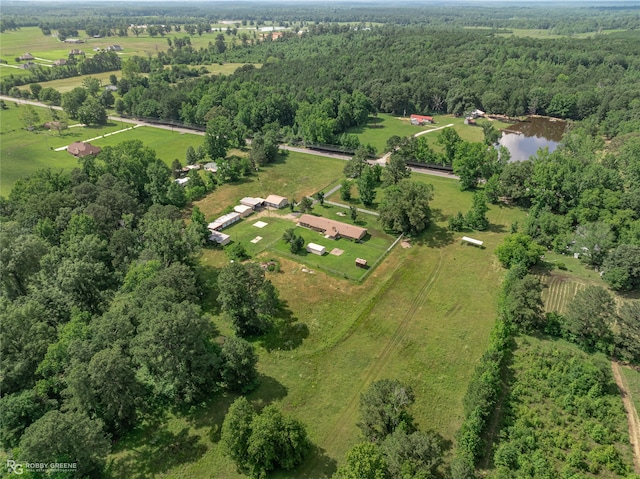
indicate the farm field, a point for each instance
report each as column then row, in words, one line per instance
column 422, row 316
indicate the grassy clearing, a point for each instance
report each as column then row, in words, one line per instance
column 379, row 129
column 292, row 176
column 548, row 34
column 422, row 316
column 6, row 71
column 67, row 84
column 24, row 152
column 632, row 376
column 168, row 144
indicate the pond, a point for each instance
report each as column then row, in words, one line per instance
column 523, row 139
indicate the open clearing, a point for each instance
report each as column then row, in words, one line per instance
column 422, row 316
column 632, row 412
column 382, row 127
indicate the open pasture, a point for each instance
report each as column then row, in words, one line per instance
column 24, row 152
column 293, row 175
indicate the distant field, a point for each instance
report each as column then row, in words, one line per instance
column 169, row 145
column 6, row 70
column 544, row 33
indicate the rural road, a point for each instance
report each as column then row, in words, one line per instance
column 632, row 414
column 201, row 133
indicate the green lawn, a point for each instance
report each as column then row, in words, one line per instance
column 168, row 144
column 23, row 152
column 292, row 176
column 379, row 129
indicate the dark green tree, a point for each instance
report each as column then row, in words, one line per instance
column 236, row 430
column 622, row 268
column 66, row 437
column 477, row 216
column 589, row 318
column 367, row 186
column 523, row 304
column 92, row 112
column 383, row 409
column 519, row 248
column 417, row 455
column 405, row 207
column 238, row 365
column 174, row 350
column 247, row 297
column 395, row 170
column 218, row 137
column 345, row 190
column 364, row 461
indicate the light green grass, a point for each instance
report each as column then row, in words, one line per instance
column 379, row 129
column 168, row 144
column 632, row 377
column 6, row 71
column 292, row 176
column 549, row 34
column 24, row 152
column 422, row 316
column 244, row 231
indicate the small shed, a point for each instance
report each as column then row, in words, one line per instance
column 243, row 210
column 276, row 201
column 361, row 263
column 59, row 63
column 26, row 56
column 220, row 238
column 181, row 181
column 254, row 203
column 316, row 249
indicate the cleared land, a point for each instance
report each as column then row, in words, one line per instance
column 24, row 152
column 423, row 316
column 382, row 127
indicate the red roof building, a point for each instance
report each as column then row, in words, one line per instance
column 421, row 120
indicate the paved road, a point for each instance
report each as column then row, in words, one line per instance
column 201, row 133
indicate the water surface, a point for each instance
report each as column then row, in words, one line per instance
column 525, row 138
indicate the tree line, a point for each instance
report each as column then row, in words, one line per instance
column 101, row 310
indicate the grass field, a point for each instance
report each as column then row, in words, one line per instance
column 379, row 129
column 168, row 144
column 544, row 33
column 24, row 152
column 422, row 316
column 292, row 176
column 632, row 376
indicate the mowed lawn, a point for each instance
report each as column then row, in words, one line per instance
column 293, row 175
column 423, row 316
column 168, row 144
column 24, row 152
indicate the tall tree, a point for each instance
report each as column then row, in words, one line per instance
column 363, row 461
column 66, row 437
column 395, row 170
column 523, row 303
column 477, row 216
column 367, row 186
column 589, row 318
column 417, row 455
column 383, row 408
column 218, row 137
column 238, row 369
column 405, row 207
column 250, row 300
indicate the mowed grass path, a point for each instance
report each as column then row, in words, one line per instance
column 423, row 316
